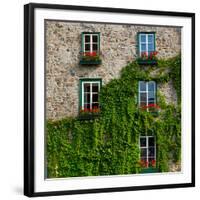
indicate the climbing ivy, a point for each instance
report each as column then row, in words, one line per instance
column 109, row 145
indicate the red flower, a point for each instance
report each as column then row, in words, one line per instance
column 90, row 53
column 95, row 109
column 144, row 163
column 94, row 53
column 151, row 55
column 153, row 163
column 151, row 106
column 86, row 53
column 144, row 54
column 155, row 53
column 86, row 109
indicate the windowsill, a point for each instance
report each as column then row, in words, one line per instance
column 147, row 62
column 149, row 170
column 90, row 62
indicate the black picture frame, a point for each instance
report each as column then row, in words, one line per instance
column 29, row 98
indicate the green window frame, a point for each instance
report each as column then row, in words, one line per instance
column 89, row 93
column 147, row 91
column 146, row 42
column 90, row 42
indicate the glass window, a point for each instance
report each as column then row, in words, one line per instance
column 143, row 38
column 142, row 86
column 143, row 142
column 90, row 94
column 90, row 42
column 143, row 48
column 95, row 38
column 146, row 43
column 150, row 38
column 147, row 93
column 87, row 38
column 94, row 47
column 147, row 151
column 150, row 47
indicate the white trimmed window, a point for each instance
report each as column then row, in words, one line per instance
column 146, row 43
column 89, row 94
column 148, row 150
column 91, row 42
column 147, row 93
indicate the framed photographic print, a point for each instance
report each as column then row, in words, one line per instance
column 109, row 99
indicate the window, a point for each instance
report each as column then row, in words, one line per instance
column 147, row 94
column 91, row 42
column 146, row 43
column 148, row 151
column 90, row 49
column 89, row 94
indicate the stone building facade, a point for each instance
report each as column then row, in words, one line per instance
column 118, row 45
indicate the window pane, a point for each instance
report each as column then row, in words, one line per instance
column 94, row 38
column 87, row 47
column 151, row 97
column 86, row 87
column 143, row 153
column 143, row 38
column 151, row 152
column 95, row 47
column 143, row 97
column 95, row 105
column 150, row 47
column 142, row 85
column 87, row 106
column 142, row 142
column 151, row 142
column 143, row 104
column 152, row 161
column 150, row 38
column 151, row 86
column 95, row 97
column 87, row 38
column 95, row 87
column 143, row 47
column 87, row 98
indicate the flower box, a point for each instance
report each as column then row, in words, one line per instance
column 87, row 114
column 154, row 109
column 148, row 58
column 147, row 62
column 90, row 58
column 149, row 170
column 90, row 62
column 148, row 167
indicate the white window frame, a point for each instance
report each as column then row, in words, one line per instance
column 147, row 92
column 91, row 42
column 147, row 42
column 147, row 148
column 82, row 89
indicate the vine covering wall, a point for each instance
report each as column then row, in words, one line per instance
column 109, row 145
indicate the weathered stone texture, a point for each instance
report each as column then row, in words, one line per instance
column 169, row 92
column 118, row 45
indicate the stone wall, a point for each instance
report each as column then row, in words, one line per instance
column 118, row 47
